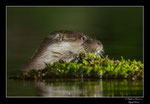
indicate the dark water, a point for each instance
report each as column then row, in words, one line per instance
column 75, row 88
column 120, row 29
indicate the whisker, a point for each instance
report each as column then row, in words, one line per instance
column 101, row 55
column 55, row 56
column 57, row 53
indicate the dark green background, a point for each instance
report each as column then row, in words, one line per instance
column 120, row 29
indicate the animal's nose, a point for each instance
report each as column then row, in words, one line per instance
column 99, row 43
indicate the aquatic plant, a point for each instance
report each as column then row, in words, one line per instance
column 88, row 66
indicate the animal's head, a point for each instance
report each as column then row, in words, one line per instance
column 75, row 42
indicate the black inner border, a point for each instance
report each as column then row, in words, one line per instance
column 4, row 3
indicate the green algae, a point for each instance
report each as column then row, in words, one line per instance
column 88, row 66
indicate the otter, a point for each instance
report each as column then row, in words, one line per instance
column 62, row 45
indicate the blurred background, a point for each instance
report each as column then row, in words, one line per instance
column 120, row 29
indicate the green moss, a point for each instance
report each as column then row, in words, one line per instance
column 88, row 66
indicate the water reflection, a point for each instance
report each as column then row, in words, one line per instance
column 89, row 88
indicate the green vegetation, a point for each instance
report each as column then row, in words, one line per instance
column 88, row 66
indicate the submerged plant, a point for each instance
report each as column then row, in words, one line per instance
column 88, row 66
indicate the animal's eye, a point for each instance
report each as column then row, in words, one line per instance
column 83, row 38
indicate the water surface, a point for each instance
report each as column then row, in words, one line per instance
column 75, row 88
